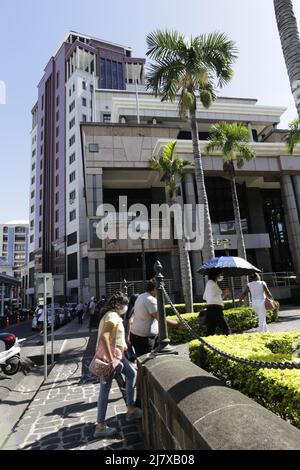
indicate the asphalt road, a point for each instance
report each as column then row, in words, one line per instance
column 8, row 384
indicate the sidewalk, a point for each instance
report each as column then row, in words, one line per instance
column 63, row 413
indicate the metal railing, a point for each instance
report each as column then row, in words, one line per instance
column 279, row 279
column 133, row 287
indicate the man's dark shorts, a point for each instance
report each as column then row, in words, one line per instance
column 143, row 345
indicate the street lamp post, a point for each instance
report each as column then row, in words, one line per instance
column 164, row 342
column 142, row 238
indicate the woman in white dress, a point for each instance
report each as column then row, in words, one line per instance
column 259, row 291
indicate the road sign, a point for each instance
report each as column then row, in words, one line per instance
column 42, row 280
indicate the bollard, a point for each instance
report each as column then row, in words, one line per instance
column 164, row 342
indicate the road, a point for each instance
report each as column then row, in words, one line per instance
column 8, row 384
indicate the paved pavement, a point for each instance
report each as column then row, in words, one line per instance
column 62, row 413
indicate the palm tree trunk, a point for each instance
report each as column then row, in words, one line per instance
column 208, row 248
column 185, row 268
column 290, row 42
column 241, row 248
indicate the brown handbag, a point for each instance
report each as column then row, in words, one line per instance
column 270, row 304
column 101, row 366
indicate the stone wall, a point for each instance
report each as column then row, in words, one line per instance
column 185, row 408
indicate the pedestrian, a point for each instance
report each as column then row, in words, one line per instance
column 80, row 311
column 40, row 318
column 91, row 310
column 144, row 326
column 258, row 291
column 213, row 295
column 128, row 318
column 111, row 333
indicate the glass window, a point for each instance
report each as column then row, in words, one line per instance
column 84, row 118
column 84, row 85
column 108, row 74
column 83, row 101
column 120, row 76
column 72, row 239
column 72, row 158
column 93, row 148
column 72, row 215
column 72, row 140
column 114, row 75
column 102, row 73
column 72, row 176
column 72, row 266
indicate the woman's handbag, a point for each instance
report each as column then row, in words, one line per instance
column 100, row 365
column 270, row 304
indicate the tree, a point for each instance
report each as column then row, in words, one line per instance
column 191, row 70
column 290, row 42
column 172, row 168
column 293, row 136
column 233, row 141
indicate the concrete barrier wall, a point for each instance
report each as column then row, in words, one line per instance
column 185, row 408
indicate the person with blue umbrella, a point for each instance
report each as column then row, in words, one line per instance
column 214, row 297
column 216, row 269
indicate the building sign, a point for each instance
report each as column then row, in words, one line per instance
column 223, row 242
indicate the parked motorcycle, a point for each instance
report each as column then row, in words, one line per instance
column 10, row 353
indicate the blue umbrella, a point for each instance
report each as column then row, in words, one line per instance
column 231, row 266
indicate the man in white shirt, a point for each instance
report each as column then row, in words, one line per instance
column 144, row 327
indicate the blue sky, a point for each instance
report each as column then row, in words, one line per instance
column 32, row 30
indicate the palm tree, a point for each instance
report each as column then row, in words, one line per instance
column 233, row 141
column 290, row 41
column 293, row 136
column 191, row 69
column 172, row 167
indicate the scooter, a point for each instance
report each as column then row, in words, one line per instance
column 10, row 353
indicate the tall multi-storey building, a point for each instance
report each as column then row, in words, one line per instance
column 14, row 244
column 66, row 97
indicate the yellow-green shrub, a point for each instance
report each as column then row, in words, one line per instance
column 239, row 319
column 277, row 390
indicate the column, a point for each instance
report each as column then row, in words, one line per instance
column 292, row 216
column 2, row 299
column 250, row 131
column 196, row 256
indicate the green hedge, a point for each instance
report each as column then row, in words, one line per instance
column 277, row 390
column 239, row 319
column 197, row 307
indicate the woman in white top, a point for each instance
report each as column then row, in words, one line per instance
column 111, row 333
column 259, row 291
column 214, row 309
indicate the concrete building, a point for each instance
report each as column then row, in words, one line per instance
column 94, row 130
column 14, row 244
column 66, row 97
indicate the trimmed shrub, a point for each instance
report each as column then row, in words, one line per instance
column 277, row 390
column 239, row 319
column 197, row 307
